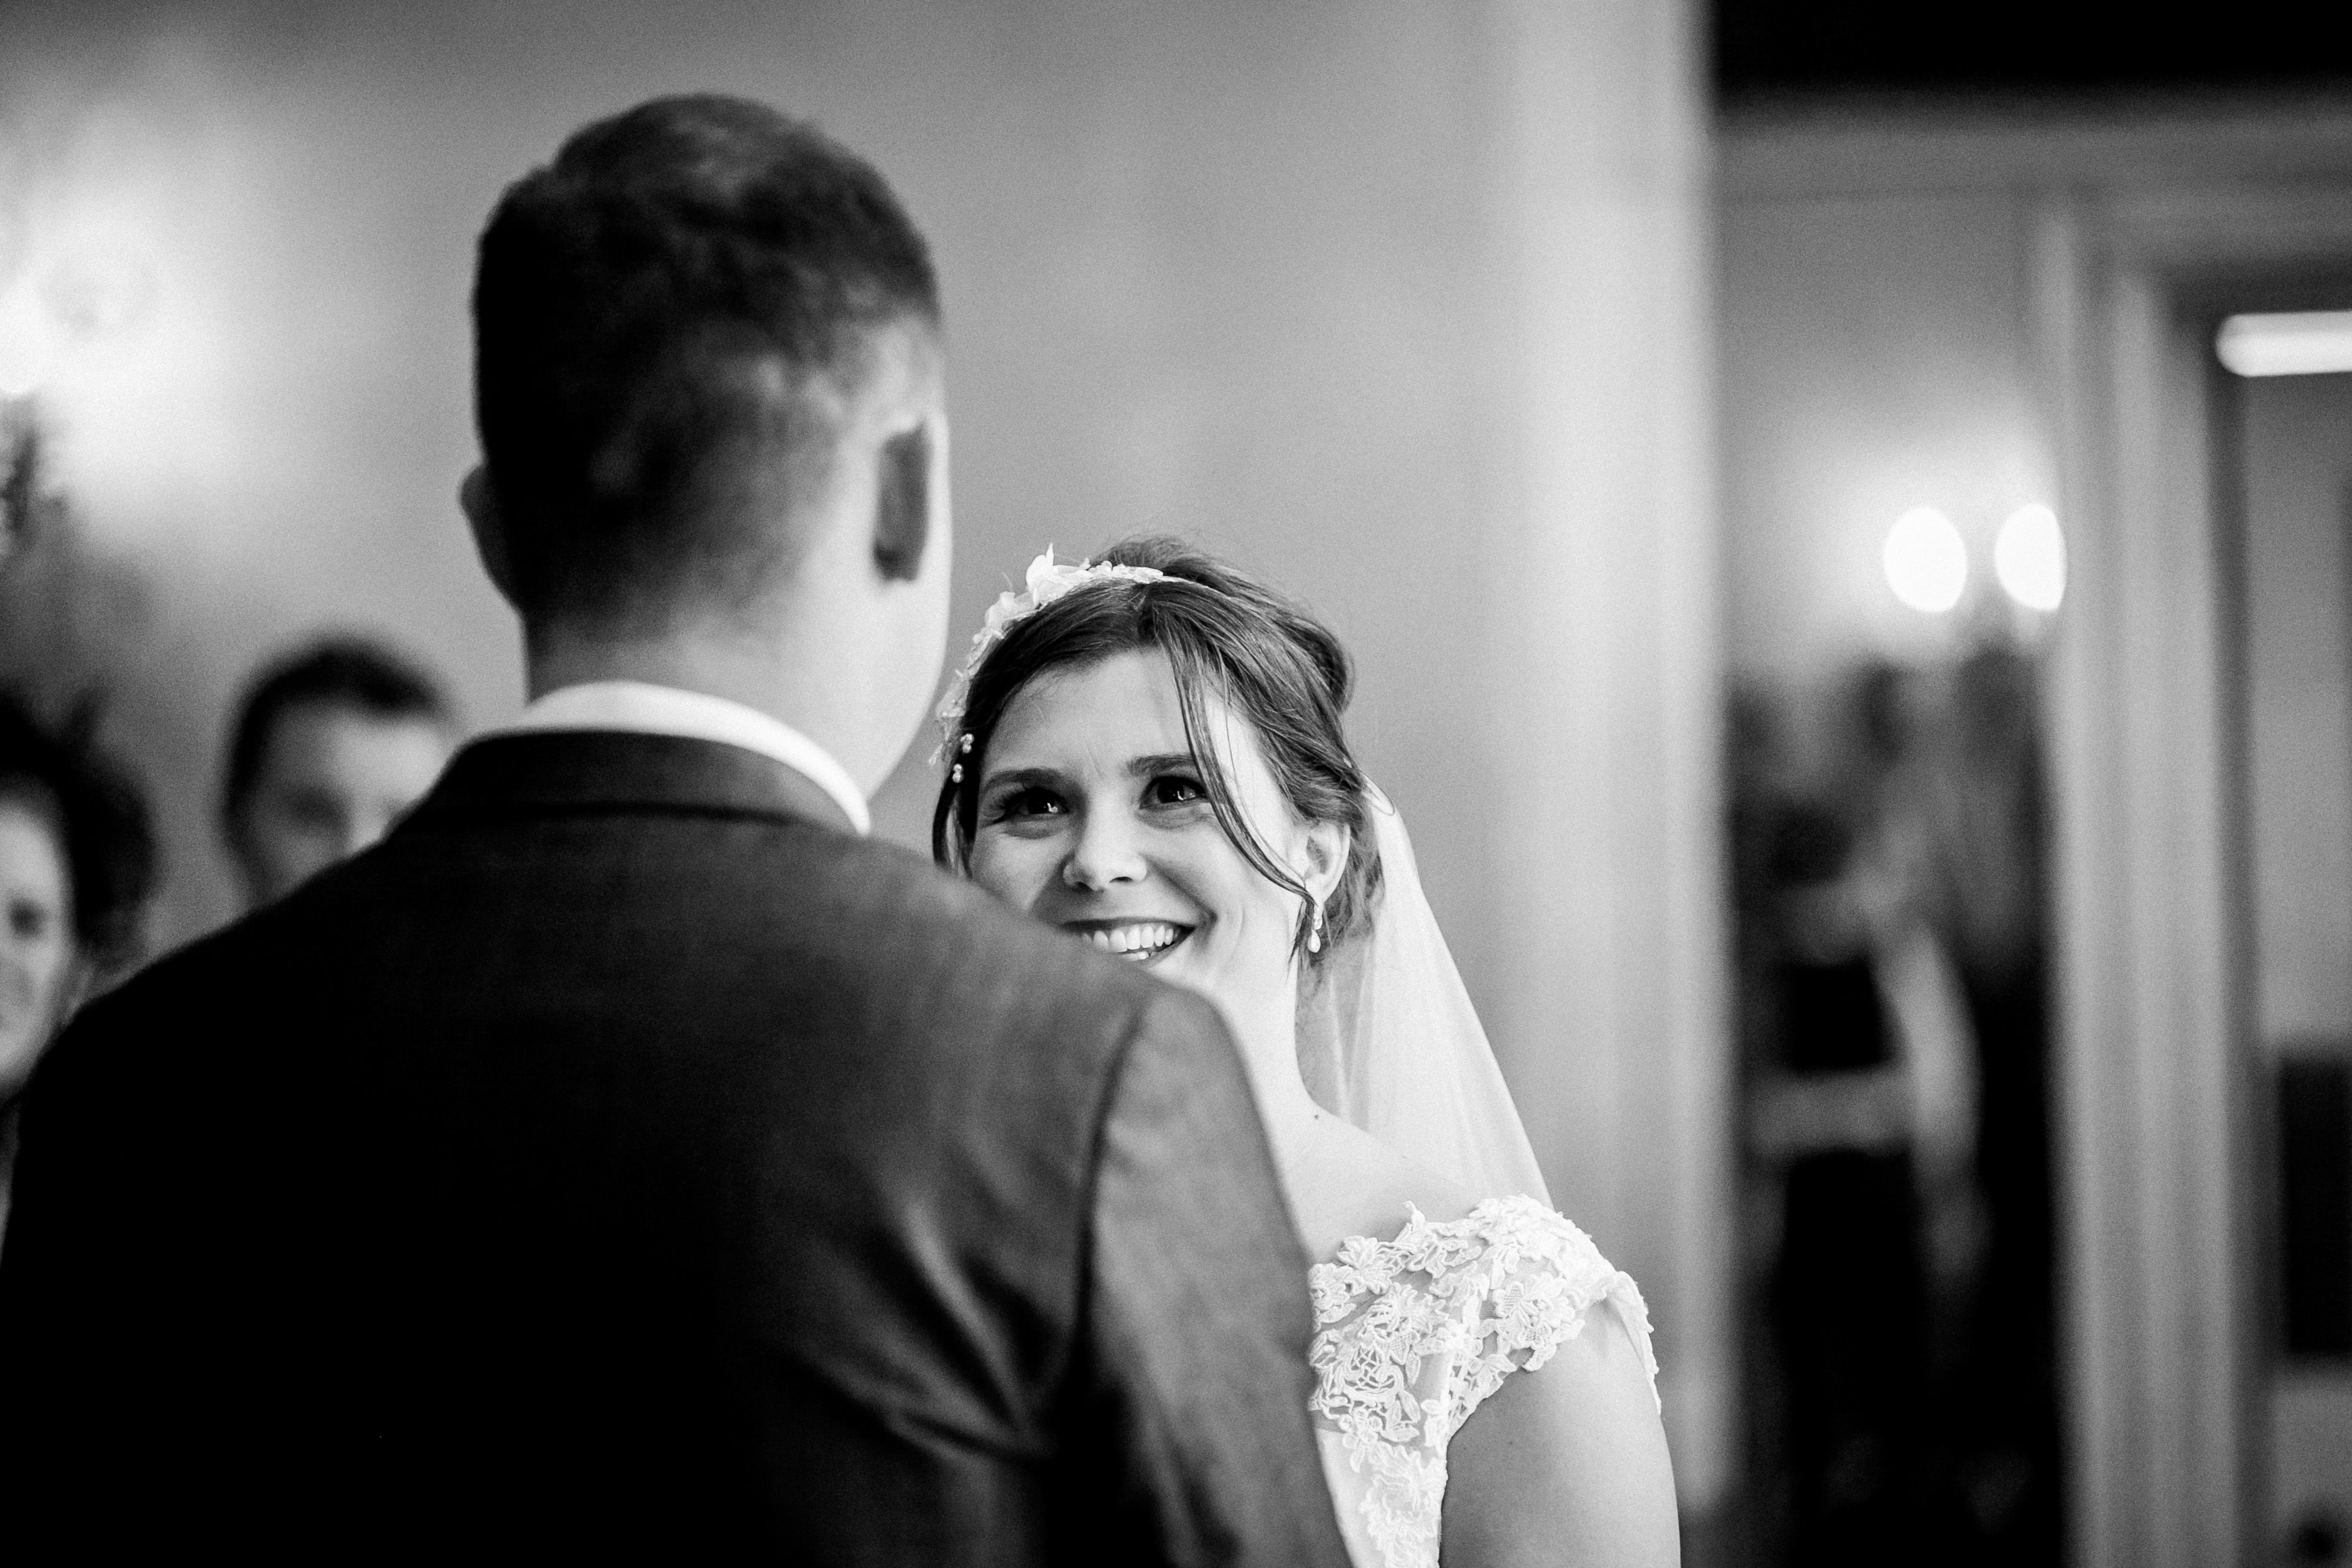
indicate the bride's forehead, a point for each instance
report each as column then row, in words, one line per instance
column 1131, row 694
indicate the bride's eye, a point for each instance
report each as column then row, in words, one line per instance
column 1027, row 804
column 1174, row 790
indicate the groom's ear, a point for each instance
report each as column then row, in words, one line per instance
column 479, row 502
column 902, row 504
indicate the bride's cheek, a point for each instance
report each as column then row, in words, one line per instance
column 1013, row 868
column 985, row 866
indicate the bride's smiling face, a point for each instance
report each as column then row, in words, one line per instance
column 1094, row 816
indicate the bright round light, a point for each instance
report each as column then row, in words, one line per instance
column 1927, row 564
column 2029, row 556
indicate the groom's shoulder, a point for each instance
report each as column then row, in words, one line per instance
column 750, row 920
column 997, row 968
column 157, row 1036
column 942, row 980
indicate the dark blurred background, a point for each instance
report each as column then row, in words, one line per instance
column 1953, row 1349
column 2068, row 54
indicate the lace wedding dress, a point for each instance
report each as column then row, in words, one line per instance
column 1414, row 1333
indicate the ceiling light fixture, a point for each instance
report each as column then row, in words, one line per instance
column 2289, row 343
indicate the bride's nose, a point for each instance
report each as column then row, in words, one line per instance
column 1107, row 851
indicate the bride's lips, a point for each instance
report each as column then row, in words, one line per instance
column 1137, row 940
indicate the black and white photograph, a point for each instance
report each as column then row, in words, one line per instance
column 1278, row 783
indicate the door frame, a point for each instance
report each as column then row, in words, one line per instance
column 2162, row 1221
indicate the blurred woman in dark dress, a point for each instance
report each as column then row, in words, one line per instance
column 77, row 863
column 1833, row 1114
column 1979, row 836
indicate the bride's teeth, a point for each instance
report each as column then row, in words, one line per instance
column 1137, row 941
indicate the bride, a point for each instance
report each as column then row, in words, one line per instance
column 1148, row 752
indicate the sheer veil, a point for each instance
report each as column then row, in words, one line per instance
column 1388, row 1039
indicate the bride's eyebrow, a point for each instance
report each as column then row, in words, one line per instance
column 1024, row 777
column 1162, row 762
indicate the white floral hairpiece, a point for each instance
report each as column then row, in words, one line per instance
column 1046, row 582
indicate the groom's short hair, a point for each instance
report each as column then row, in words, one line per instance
column 669, row 320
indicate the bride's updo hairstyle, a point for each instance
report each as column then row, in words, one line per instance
column 1224, row 634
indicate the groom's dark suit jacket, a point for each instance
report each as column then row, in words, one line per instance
column 626, row 1160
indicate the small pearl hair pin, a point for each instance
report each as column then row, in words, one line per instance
column 1047, row 581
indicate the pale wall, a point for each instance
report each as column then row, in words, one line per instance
column 1206, row 270
column 2297, row 460
column 1873, row 360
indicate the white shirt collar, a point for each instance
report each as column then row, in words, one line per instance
column 643, row 708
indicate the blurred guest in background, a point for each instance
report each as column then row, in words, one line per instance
column 1832, row 1114
column 1973, row 818
column 1893, row 964
column 332, row 745
column 76, row 862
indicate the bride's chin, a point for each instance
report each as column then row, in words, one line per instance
column 1177, row 967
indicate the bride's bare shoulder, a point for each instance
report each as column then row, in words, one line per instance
column 1565, row 1464
column 1354, row 1185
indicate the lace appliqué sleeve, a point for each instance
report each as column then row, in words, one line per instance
column 1538, row 1277
column 1414, row 1333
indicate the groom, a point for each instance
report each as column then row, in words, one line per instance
column 627, row 1158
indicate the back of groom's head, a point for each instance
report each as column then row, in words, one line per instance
column 673, row 322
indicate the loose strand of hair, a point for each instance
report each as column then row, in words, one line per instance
column 1191, row 677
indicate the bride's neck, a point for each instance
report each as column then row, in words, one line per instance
column 1269, row 1047
column 1340, row 1181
